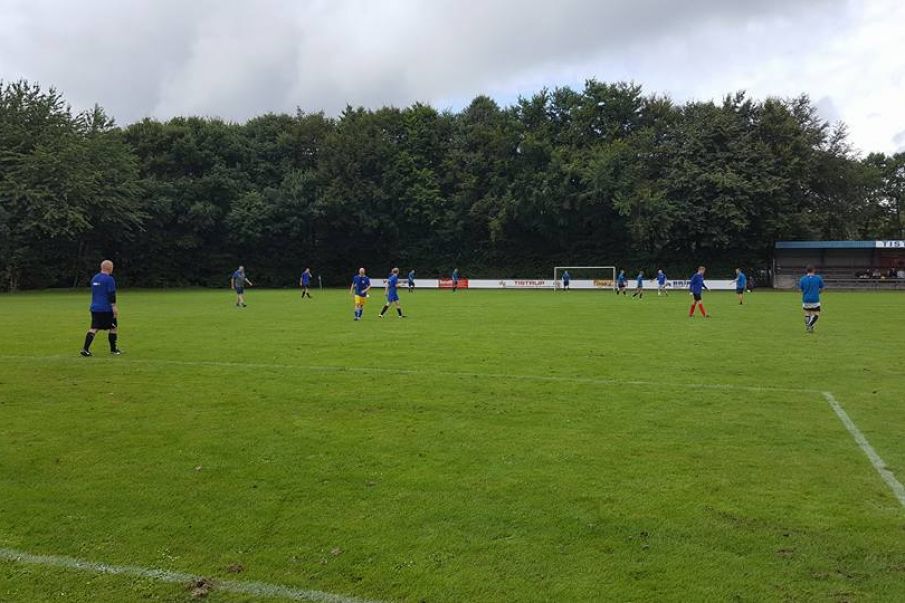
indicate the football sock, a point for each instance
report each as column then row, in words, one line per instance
column 814, row 319
column 691, row 312
column 399, row 311
column 384, row 309
column 89, row 337
column 111, row 337
column 703, row 311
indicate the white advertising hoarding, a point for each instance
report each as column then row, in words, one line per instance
column 540, row 283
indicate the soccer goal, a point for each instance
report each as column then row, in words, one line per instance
column 585, row 277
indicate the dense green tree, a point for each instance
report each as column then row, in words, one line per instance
column 604, row 174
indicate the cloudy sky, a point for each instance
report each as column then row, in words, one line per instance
column 238, row 58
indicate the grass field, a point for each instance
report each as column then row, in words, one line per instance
column 494, row 446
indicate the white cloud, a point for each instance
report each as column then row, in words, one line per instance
column 237, row 58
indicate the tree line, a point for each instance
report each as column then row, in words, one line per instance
column 604, row 175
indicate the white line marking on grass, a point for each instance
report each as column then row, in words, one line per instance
column 895, row 485
column 416, row 372
column 256, row 589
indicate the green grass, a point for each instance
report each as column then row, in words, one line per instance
column 476, row 451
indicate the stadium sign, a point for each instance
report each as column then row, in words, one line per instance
column 890, row 244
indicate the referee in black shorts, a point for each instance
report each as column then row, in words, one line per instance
column 103, row 309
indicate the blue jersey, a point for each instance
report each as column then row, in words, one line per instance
column 661, row 279
column 306, row 278
column 392, row 283
column 103, row 293
column 566, row 277
column 621, row 278
column 361, row 284
column 640, row 280
column 238, row 279
column 741, row 280
column 412, row 277
column 696, row 284
column 455, row 275
column 811, row 285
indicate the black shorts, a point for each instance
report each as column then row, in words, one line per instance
column 740, row 291
column 103, row 321
column 697, row 296
column 622, row 285
column 240, row 290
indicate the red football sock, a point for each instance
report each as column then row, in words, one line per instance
column 691, row 312
column 703, row 312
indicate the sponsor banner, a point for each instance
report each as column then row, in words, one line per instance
column 891, row 245
column 597, row 283
column 447, row 283
column 377, row 284
column 716, row 285
column 420, row 283
column 517, row 283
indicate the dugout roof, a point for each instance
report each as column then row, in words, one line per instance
column 840, row 244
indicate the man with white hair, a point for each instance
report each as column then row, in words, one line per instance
column 104, row 313
column 238, row 281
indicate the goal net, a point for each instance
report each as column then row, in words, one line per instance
column 584, row 277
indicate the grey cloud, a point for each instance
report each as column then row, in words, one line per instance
column 827, row 110
column 237, row 59
column 899, row 140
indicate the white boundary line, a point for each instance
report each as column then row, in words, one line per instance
column 895, row 485
column 897, row 488
column 437, row 373
column 255, row 589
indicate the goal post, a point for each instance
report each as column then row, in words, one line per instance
column 585, row 277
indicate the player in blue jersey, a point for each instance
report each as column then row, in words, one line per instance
column 741, row 284
column 566, row 279
column 237, row 282
column 392, row 294
column 104, row 313
column 661, row 283
column 621, row 282
column 811, row 286
column 361, row 284
column 411, row 280
column 639, row 286
column 696, row 287
column 455, row 280
column 305, row 282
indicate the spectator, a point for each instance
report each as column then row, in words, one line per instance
column 901, row 272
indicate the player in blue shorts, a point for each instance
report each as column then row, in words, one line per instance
column 238, row 281
column 305, row 282
column 621, row 283
column 639, row 286
column 411, row 280
column 741, row 284
column 361, row 284
column 811, row 286
column 392, row 294
column 104, row 313
column 661, row 283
